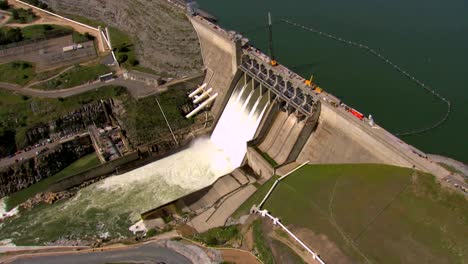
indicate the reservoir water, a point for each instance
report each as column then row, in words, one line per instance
column 428, row 39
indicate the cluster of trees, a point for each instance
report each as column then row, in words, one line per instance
column 4, row 5
column 38, row 3
column 23, row 15
column 10, row 35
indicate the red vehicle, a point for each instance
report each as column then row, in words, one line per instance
column 356, row 113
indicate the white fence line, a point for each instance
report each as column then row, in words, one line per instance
column 276, row 183
column 59, row 16
column 106, row 38
column 276, row 221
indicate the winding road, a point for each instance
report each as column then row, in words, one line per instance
column 136, row 88
column 148, row 253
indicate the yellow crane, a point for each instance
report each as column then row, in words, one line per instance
column 309, row 82
column 273, row 61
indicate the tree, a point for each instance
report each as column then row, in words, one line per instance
column 15, row 14
column 122, row 58
column 47, row 27
column 134, row 62
column 4, row 5
column 123, row 49
column 89, row 36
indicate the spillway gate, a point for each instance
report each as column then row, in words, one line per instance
column 286, row 86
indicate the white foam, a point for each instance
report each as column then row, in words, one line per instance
column 3, row 212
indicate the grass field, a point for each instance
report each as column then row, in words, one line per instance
column 74, row 77
column 145, row 121
column 80, row 165
column 19, row 72
column 375, row 213
column 219, row 236
column 261, row 244
column 34, row 32
column 37, row 32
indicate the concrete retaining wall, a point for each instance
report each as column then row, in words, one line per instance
column 258, row 164
column 309, row 127
column 221, row 57
column 98, row 171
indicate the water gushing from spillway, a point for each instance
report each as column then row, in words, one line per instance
column 114, row 203
column 239, row 123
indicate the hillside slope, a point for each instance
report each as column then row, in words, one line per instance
column 371, row 213
column 165, row 40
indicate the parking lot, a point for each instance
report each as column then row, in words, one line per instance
column 48, row 54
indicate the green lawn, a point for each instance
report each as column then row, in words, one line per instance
column 84, row 20
column 19, row 72
column 261, row 244
column 74, row 77
column 80, row 165
column 376, row 213
column 34, row 32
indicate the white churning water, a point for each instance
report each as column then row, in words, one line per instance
column 104, row 207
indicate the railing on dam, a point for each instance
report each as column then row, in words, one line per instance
column 285, row 84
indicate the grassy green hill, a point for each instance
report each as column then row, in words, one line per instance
column 373, row 214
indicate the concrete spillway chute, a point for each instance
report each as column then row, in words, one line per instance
column 201, row 106
column 198, row 90
column 202, row 96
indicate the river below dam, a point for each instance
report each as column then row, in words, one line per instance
column 109, row 207
column 428, row 39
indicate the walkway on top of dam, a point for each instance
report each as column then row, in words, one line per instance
column 287, row 85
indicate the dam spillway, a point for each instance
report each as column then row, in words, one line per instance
column 110, row 206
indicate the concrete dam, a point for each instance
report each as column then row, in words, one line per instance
column 299, row 124
column 266, row 117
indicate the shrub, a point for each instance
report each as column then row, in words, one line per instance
column 4, row 5
column 134, row 62
column 123, row 49
column 151, row 232
column 122, row 58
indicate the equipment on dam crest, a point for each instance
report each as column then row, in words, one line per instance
column 410, row 77
column 356, row 113
column 309, row 82
column 273, row 61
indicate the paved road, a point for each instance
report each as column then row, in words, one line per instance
column 149, row 253
column 137, row 89
column 32, row 152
